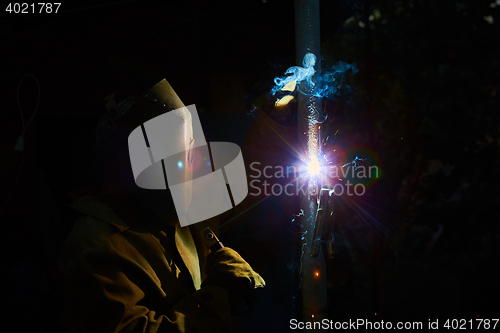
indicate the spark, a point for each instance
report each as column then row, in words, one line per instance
column 312, row 144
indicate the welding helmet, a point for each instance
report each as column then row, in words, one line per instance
column 175, row 171
column 160, row 149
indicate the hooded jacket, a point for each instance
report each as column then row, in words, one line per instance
column 132, row 273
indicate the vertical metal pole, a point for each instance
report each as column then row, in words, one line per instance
column 313, row 275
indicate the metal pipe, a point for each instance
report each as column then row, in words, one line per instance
column 313, row 273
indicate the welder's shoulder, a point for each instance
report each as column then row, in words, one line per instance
column 95, row 226
column 90, row 232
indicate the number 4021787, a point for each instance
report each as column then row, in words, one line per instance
column 33, row 8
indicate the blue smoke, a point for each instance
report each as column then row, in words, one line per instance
column 330, row 82
column 298, row 73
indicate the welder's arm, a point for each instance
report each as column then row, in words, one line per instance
column 107, row 293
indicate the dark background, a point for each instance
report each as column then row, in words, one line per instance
column 422, row 243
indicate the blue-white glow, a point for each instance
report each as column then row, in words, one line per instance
column 313, row 167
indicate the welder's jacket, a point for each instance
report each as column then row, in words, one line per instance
column 131, row 273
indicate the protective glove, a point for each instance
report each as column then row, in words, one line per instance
column 228, row 270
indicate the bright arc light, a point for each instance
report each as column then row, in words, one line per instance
column 290, row 86
column 313, row 166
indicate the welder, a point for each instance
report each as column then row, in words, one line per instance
column 128, row 264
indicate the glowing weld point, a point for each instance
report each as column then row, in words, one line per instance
column 290, row 86
column 180, row 165
column 284, row 101
column 313, row 167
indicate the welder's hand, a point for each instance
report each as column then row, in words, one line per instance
column 228, row 270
